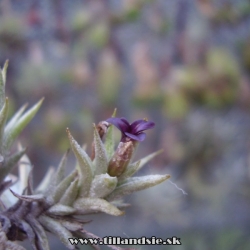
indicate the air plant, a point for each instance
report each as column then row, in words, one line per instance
column 59, row 203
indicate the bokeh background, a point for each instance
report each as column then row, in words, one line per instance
column 184, row 64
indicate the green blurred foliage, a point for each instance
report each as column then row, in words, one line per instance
column 184, row 65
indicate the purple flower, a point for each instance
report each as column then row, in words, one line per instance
column 133, row 131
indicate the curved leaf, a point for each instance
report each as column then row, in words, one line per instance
column 2, row 83
column 11, row 132
column 86, row 205
column 3, row 117
column 101, row 161
column 102, row 185
column 58, row 229
column 84, row 166
column 134, row 184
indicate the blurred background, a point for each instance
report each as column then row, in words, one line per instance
column 184, row 64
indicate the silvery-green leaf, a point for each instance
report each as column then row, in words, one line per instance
column 147, row 158
column 10, row 133
column 109, row 142
column 42, row 240
column 70, row 194
column 3, row 117
column 2, row 83
column 29, row 198
column 24, row 168
column 56, row 228
column 102, row 185
column 54, row 195
column 114, row 113
column 30, row 190
column 71, row 225
column 46, row 181
column 60, row 172
column 59, row 209
column 134, row 184
column 120, row 204
column 130, row 170
column 51, row 180
column 15, row 117
column 101, row 161
column 10, row 163
column 4, row 71
column 8, row 199
column 29, row 232
column 85, row 205
column 84, row 166
column 2, row 159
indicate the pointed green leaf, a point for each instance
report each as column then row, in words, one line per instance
column 24, row 168
column 130, row 170
column 109, row 142
column 147, row 158
column 70, row 194
column 134, row 184
column 30, row 189
column 2, row 83
column 84, row 166
column 57, row 177
column 10, row 163
column 4, row 71
column 15, row 117
column 71, row 225
column 28, row 198
column 60, row 172
column 101, row 161
column 62, row 210
column 114, row 113
column 3, row 117
column 58, row 229
column 55, row 194
column 12, row 132
column 102, row 185
column 86, row 205
column 42, row 240
column 120, row 204
column 46, row 181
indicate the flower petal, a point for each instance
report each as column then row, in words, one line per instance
column 138, row 137
column 143, row 125
column 121, row 123
column 134, row 125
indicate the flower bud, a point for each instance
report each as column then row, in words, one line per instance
column 121, row 158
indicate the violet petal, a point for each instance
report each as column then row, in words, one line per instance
column 135, row 124
column 143, row 126
column 121, row 123
column 125, row 121
column 139, row 137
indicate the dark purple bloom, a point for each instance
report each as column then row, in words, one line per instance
column 133, row 131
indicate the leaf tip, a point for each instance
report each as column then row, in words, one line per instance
column 114, row 113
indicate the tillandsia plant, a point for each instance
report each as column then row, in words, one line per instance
column 58, row 205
